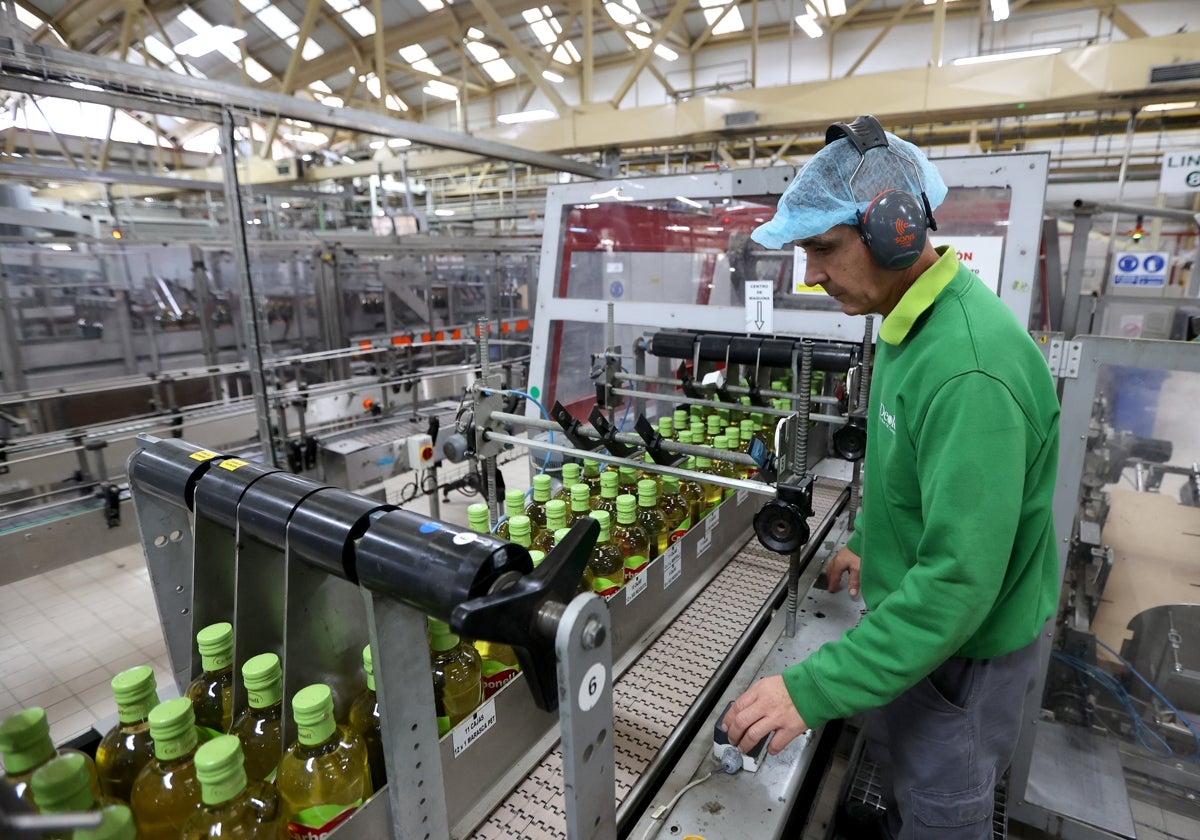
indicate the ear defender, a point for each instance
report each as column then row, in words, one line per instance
column 896, row 224
column 894, row 229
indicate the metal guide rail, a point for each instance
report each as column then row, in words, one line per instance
column 654, row 694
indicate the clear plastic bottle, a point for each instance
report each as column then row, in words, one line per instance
column 606, row 562
column 478, row 519
column 675, row 509
column 591, row 476
column 116, row 824
column 609, row 490
column 26, row 745
column 498, row 661
column 536, row 509
column 713, row 493
column 366, row 722
column 651, row 518
column 570, row 477
column 720, row 467
column 581, row 503
column 630, row 538
column 127, row 747
column 651, row 473
column 233, row 806
column 324, row 776
column 712, row 428
column 733, row 442
column 166, row 791
column 457, row 676
column 679, row 419
column 587, row 579
column 666, row 427
column 212, row 692
column 519, row 530
column 627, row 478
column 556, row 517
column 693, row 493
column 260, row 725
column 514, row 505
column 62, row 786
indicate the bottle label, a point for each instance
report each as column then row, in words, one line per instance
column 317, row 822
column 605, row 587
column 443, row 725
column 678, row 533
column 634, row 564
column 496, row 675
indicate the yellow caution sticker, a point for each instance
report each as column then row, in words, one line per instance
column 203, row 455
column 232, row 464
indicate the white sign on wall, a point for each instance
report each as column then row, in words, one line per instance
column 1180, row 172
column 980, row 254
column 1140, row 269
column 760, row 307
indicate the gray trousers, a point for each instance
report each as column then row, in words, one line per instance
column 942, row 745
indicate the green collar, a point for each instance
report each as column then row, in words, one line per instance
column 919, row 296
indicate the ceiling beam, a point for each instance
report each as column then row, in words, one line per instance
column 669, row 22
column 517, row 50
column 288, row 85
column 879, row 36
column 1125, row 23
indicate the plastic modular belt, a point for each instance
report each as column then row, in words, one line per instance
column 652, row 696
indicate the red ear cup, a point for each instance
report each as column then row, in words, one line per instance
column 895, row 229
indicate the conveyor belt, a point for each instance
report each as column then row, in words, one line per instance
column 652, row 696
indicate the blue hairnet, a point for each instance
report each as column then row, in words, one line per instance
column 819, row 197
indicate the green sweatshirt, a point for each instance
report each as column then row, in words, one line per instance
column 956, row 532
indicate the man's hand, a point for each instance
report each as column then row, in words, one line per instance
column 765, row 706
column 845, row 561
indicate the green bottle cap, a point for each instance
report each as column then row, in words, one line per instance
column 626, row 508
column 116, row 823
column 723, row 415
column 215, row 643
column 441, row 637
column 173, row 728
column 477, row 518
column 560, row 535
column 733, row 436
column 263, row 677
column 697, row 430
column 685, row 437
column 591, row 466
column 702, row 462
column 518, row 529
column 602, row 516
column 312, row 708
column 541, row 488
column 514, row 501
column 570, row 473
column 25, row 741
column 609, row 485
column 647, row 495
column 679, row 418
column 744, row 401
column 670, row 485
column 62, row 784
column 135, row 689
column 627, row 475
column 556, row 514
column 369, row 667
column 666, row 426
column 537, row 557
column 581, row 499
column 221, row 770
column 690, row 463
column 759, row 419
column 748, row 427
column 777, row 385
column 721, row 442
column 713, row 424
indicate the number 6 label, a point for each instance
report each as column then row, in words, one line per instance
column 592, row 687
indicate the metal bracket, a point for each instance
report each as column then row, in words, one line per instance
column 571, row 426
column 654, row 442
column 756, row 397
column 608, row 433
column 487, row 402
column 1064, row 357
column 688, row 383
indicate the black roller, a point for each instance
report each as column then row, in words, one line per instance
column 740, row 349
column 432, row 565
column 325, row 525
column 1154, row 450
column 268, row 504
column 169, row 468
column 220, row 490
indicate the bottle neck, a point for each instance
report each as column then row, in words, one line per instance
column 215, row 663
column 316, row 733
column 225, row 790
column 181, row 746
column 20, row 762
column 262, row 697
column 136, row 711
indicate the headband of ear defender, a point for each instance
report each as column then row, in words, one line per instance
column 896, row 224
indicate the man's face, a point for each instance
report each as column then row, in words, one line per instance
column 839, row 262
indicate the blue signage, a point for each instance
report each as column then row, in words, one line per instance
column 1135, row 269
column 616, row 289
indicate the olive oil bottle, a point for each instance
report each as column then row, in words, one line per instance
column 570, row 477
column 609, row 490
column 26, row 746
column 211, row 693
column 606, row 562
column 651, row 518
column 675, row 509
column 127, row 747
column 591, row 476
column 497, row 661
column 166, row 790
column 365, row 719
column 324, row 776
column 62, row 786
column 536, row 509
column 233, row 806
column 581, row 503
column 630, row 538
column 556, row 518
column 514, row 505
column 457, row 674
column 116, row 823
column 260, row 725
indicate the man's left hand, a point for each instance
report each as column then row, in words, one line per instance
column 765, row 706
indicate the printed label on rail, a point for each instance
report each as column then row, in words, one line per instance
column 672, row 564
column 741, row 496
column 472, row 728
column 636, row 585
column 713, row 520
column 702, row 545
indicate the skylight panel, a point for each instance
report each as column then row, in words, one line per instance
column 255, row 6
column 321, row 87
column 442, row 90
column 360, row 20
column 732, row 22
column 256, row 71
column 566, row 53
column 489, row 58
column 158, row 50
column 432, row 5
column 27, row 17
column 193, row 21
column 395, row 103
column 277, row 22
column 415, row 55
column 311, row 48
column 341, row 6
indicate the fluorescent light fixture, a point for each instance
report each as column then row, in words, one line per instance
column 394, row 143
column 59, row 246
column 810, row 26
column 441, row 211
column 210, row 41
column 1007, row 56
column 536, row 115
column 836, row 8
column 284, row 205
column 689, row 202
column 1168, row 106
column 442, row 90
column 999, row 10
column 551, row 76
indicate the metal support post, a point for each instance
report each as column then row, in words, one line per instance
column 799, row 467
column 489, row 461
column 1079, row 242
column 241, row 259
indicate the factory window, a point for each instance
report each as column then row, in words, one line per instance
column 548, row 31
column 488, row 57
column 732, row 20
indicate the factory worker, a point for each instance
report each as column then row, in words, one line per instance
column 954, row 547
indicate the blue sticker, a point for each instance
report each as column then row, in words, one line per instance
column 385, row 461
column 616, row 289
column 428, row 527
column 1154, row 263
column 1127, row 262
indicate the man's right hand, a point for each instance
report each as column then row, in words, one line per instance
column 845, row 562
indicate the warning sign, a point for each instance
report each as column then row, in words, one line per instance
column 1142, row 270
